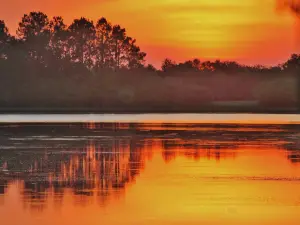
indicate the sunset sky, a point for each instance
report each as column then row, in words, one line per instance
column 248, row 31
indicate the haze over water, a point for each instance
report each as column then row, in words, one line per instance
column 119, row 173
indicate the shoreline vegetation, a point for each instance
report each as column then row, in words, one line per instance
column 149, row 110
column 95, row 67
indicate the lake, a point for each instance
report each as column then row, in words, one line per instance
column 149, row 173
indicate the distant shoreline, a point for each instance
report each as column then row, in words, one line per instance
column 144, row 110
column 179, row 118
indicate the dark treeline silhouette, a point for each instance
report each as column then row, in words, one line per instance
column 83, row 45
column 96, row 66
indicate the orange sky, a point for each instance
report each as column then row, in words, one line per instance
column 249, row 31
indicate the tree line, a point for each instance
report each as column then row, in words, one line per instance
column 49, row 45
column 54, row 45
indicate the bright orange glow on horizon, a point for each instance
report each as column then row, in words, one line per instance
column 248, row 31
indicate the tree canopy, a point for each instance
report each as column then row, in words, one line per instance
column 86, row 46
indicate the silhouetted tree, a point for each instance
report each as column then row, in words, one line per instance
column 3, row 30
column 59, row 44
column 4, row 39
column 207, row 66
column 59, row 36
column 33, row 24
column 135, row 58
column 168, row 65
column 293, row 63
column 103, row 40
column 54, row 46
column 150, row 67
column 34, row 32
column 119, row 41
column 82, row 34
column 196, row 64
column 185, row 67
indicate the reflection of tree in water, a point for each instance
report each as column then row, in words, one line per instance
column 97, row 170
column 111, row 156
column 3, row 186
column 293, row 151
column 101, row 170
column 292, row 147
column 196, row 149
column 294, row 156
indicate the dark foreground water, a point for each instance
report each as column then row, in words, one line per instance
column 91, row 174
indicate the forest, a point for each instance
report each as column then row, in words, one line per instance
column 49, row 66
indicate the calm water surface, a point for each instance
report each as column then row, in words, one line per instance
column 168, row 174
